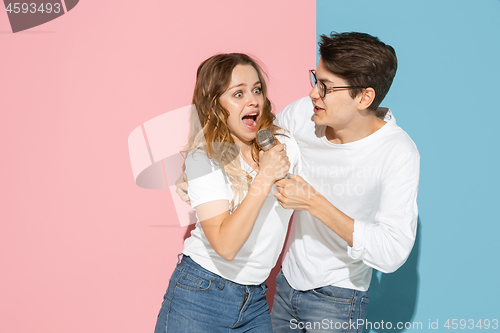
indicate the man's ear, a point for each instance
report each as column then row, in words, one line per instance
column 367, row 97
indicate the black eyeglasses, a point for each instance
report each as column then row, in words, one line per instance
column 322, row 88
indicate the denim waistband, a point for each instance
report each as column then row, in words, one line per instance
column 187, row 262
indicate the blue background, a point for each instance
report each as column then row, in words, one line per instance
column 446, row 97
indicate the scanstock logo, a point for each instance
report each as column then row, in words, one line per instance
column 31, row 13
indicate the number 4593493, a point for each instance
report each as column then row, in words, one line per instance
column 471, row 324
column 24, row 8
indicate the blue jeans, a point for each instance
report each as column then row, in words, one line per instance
column 325, row 309
column 198, row 300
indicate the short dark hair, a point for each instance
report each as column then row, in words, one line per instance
column 361, row 60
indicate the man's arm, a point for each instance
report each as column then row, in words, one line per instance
column 384, row 243
column 298, row 194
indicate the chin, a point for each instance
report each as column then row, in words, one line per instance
column 250, row 138
column 318, row 120
column 247, row 139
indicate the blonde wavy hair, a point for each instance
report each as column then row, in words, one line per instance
column 209, row 131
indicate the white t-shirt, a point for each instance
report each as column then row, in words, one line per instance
column 374, row 181
column 254, row 261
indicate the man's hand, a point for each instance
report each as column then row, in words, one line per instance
column 295, row 193
column 298, row 194
column 182, row 188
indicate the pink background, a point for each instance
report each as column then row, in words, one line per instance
column 82, row 247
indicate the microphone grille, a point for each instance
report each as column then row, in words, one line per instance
column 265, row 139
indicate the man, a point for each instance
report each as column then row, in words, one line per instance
column 356, row 202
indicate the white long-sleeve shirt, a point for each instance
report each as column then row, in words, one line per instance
column 374, row 181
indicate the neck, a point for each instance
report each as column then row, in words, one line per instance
column 245, row 149
column 246, row 155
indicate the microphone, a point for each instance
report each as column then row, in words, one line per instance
column 266, row 141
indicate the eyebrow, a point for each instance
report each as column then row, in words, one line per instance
column 243, row 84
column 325, row 80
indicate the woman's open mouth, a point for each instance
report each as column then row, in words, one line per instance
column 250, row 120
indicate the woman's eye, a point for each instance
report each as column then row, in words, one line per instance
column 257, row 90
column 238, row 95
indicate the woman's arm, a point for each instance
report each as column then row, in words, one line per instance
column 228, row 232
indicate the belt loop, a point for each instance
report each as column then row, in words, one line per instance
column 179, row 258
column 222, row 283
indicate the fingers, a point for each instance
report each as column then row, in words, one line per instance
column 183, row 195
column 282, row 183
column 182, row 188
column 281, row 190
column 281, row 199
column 279, row 148
column 274, row 163
column 180, row 179
column 181, row 182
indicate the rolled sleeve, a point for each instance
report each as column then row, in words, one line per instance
column 386, row 242
column 356, row 251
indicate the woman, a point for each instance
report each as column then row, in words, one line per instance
column 219, row 285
